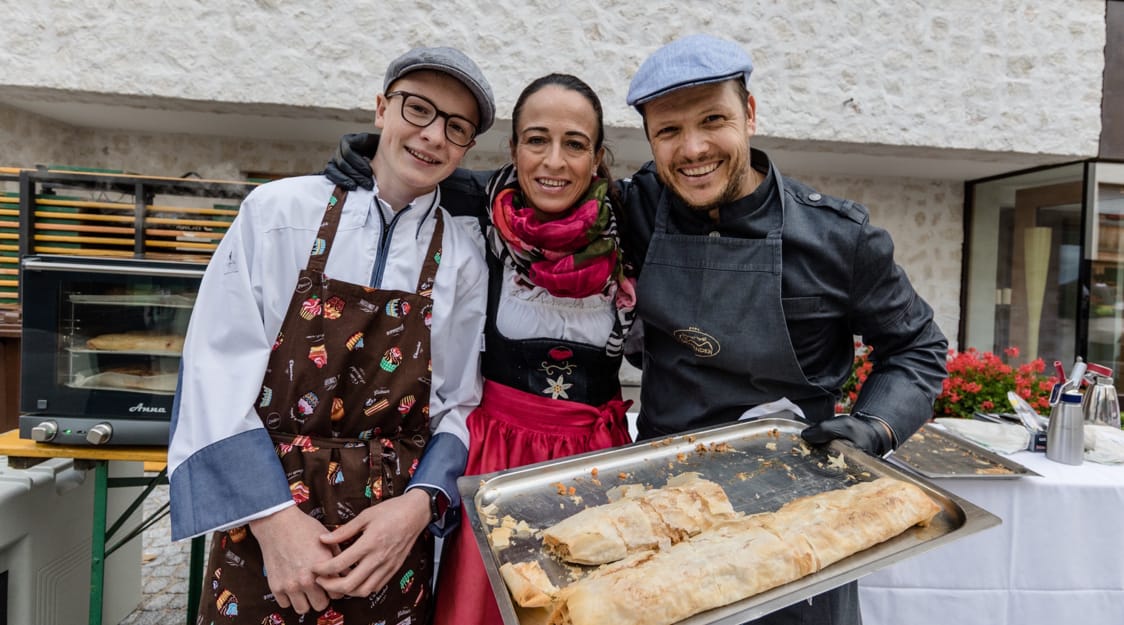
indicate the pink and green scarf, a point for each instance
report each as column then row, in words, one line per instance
column 576, row 256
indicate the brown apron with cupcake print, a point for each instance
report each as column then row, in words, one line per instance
column 346, row 400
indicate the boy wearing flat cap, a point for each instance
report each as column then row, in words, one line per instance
column 752, row 286
column 332, row 359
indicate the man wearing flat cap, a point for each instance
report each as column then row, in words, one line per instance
column 332, row 359
column 752, row 286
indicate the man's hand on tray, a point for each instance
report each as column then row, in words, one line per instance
column 867, row 434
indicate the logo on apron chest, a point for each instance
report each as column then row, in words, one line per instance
column 703, row 344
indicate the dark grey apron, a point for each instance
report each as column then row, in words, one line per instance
column 716, row 343
column 715, row 335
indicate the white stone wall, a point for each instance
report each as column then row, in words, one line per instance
column 28, row 140
column 1005, row 75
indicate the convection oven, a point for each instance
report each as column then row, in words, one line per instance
column 110, row 265
column 102, row 341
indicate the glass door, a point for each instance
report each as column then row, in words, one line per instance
column 1105, row 254
column 1023, row 269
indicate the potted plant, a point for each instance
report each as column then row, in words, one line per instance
column 977, row 382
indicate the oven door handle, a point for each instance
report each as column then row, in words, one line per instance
column 37, row 264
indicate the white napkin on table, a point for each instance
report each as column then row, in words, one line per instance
column 772, row 409
column 1005, row 438
column 1107, row 445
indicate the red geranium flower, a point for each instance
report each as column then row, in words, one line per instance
column 977, row 382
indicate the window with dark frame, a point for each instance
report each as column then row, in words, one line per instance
column 3, row 598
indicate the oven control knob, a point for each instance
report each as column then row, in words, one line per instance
column 99, row 434
column 45, row 431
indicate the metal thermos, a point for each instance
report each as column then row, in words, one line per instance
column 1065, row 436
column 1101, row 405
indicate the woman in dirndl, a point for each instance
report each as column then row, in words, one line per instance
column 560, row 303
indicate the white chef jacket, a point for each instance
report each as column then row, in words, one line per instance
column 222, row 465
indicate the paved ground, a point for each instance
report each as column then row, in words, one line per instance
column 164, row 571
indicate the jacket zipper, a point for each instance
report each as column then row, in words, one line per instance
column 384, row 243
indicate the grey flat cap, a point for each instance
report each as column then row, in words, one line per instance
column 688, row 62
column 455, row 63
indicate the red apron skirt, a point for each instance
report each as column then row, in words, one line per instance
column 512, row 428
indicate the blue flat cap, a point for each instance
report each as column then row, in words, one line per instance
column 688, row 62
column 454, row 63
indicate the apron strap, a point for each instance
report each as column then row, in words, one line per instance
column 432, row 257
column 318, row 256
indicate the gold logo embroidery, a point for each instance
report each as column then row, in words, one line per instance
column 703, row 344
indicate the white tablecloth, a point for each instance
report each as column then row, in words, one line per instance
column 1057, row 558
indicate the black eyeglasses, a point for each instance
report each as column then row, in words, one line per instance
column 420, row 112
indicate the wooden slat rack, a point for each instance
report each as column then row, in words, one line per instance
column 81, row 213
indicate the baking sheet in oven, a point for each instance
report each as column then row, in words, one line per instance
column 164, row 300
column 761, row 464
column 126, row 352
column 153, row 382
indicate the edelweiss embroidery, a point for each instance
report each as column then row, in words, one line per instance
column 557, row 388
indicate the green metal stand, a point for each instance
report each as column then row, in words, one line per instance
column 99, row 551
column 195, row 578
column 97, row 558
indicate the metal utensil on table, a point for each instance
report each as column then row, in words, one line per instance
column 1065, row 436
column 1027, row 415
column 1077, row 374
column 989, row 417
column 1101, row 404
column 1072, row 383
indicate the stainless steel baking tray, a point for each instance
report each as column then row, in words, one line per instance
column 159, row 383
column 761, row 464
column 935, row 453
column 126, row 352
column 165, row 300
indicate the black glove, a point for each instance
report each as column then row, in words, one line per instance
column 867, row 434
column 351, row 165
